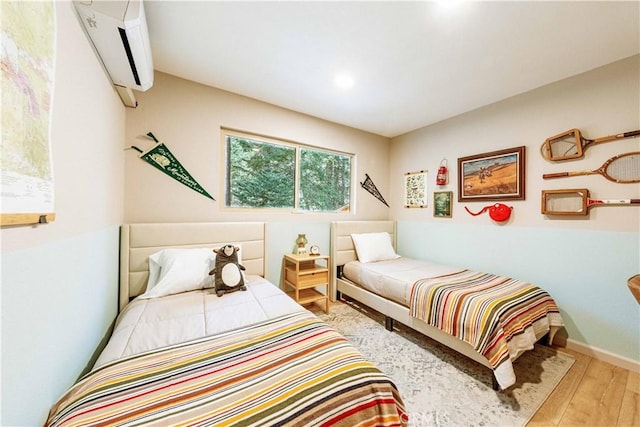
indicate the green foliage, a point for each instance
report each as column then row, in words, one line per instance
column 262, row 175
column 325, row 180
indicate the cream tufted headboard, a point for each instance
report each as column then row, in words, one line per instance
column 138, row 241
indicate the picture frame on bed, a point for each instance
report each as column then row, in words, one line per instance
column 442, row 204
column 415, row 189
column 496, row 175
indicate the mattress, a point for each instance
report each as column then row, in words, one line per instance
column 394, row 279
column 148, row 324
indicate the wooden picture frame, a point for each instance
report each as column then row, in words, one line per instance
column 497, row 175
column 442, row 204
column 415, row 189
column 27, row 185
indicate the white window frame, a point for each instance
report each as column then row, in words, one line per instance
column 224, row 132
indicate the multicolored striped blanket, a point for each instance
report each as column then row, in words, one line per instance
column 294, row 370
column 484, row 310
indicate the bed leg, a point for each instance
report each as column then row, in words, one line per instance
column 388, row 323
column 338, row 296
column 494, row 382
column 552, row 333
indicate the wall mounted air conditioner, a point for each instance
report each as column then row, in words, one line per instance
column 119, row 35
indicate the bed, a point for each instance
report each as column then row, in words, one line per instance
column 415, row 293
column 180, row 355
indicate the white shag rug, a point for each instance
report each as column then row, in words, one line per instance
column 441, row 387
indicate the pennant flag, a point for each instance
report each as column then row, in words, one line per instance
column 162, row 159
column 371, row 188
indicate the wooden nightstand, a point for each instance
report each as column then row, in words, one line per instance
column 301, row 274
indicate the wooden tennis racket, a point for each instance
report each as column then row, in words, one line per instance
column 572, row 145
column 623, row 169
column 575, row 202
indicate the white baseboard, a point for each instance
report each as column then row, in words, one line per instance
column 603, row 355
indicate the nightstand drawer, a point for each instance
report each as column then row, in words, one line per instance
column 307, row 278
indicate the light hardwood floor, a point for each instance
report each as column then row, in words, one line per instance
column 593, row 393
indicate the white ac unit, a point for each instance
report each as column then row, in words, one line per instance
column 119, row 35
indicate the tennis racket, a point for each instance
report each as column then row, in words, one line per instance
column 575, row 202
column 623, row 169
column 572, row 145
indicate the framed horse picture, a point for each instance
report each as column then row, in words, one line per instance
column 497, row 175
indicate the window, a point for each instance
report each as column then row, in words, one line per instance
column 271, row 174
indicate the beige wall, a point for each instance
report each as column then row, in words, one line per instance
column 602, row 102
column 187, row 117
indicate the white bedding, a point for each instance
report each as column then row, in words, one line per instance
column 394, row 279
column 147, row 324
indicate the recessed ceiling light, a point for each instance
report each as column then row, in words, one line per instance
column 343, row 81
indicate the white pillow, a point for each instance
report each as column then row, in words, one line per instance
column 154, row 269
column 157, row 259
column 178, row 270
column 372, row 247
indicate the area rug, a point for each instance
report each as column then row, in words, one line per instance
column 441, row 387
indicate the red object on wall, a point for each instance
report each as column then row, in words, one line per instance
column 443, row 174
column 498, row 212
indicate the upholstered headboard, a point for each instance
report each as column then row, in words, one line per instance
column 342, row 248
column 138, row 241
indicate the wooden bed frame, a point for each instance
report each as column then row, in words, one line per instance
column 138, row 241
column 343, row 251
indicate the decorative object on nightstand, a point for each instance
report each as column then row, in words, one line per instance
column 302, row 274
column 301, row 242
column 314, row 250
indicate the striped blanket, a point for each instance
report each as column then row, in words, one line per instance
column 484, row 310
column 294, row 370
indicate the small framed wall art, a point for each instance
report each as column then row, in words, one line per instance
column 415, row 189
column 442, row 204
column 497, row 175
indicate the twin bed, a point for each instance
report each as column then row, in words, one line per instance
column 488, row 318
column 181, row 355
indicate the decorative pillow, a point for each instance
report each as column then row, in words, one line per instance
column 372, row 247
column 180, row 270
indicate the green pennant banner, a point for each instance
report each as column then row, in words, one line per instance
column 162, row 159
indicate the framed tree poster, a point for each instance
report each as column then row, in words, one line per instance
column 442, row 204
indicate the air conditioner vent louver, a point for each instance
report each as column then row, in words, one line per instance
column 127, row 48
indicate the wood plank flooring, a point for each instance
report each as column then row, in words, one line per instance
column 593, row 393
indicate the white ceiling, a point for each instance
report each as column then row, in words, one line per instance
column 413, row 63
